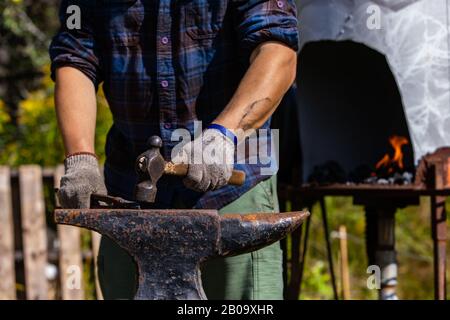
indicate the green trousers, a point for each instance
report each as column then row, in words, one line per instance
column 252, row 276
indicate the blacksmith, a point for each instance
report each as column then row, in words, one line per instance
column 163, row 65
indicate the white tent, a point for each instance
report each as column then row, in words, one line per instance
column 414, row 35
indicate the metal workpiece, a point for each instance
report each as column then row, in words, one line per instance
column 168, row 246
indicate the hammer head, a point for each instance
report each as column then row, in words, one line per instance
column 149, row 167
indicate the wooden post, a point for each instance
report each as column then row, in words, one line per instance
column 7, row 272
column 70, row 260
column 96, row 237
column 33, row 232
column 345, row 275
column 439, row 226
column 328, row 245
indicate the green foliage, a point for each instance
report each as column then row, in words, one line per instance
column 316, row 282
column 26, row 28
column 413, row 243
column 37, row 138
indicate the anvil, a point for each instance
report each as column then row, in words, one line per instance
column 169, row 246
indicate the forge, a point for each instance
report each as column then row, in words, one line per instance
column 381, row 202
column 359, row 130
column 355, row 141
column 364, row 82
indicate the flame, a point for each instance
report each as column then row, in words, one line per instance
column 396, row 162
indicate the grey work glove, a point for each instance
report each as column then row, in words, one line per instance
column 82, row 178
column 210, row 158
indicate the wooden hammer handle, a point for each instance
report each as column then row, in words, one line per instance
column 237, row 177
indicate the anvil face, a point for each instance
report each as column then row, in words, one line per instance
column 168, row 246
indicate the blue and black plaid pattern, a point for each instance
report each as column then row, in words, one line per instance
column 164, row 64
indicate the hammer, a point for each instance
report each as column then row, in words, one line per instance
column 150, row 166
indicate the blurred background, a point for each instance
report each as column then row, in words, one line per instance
column 29, row 135
column 28, row 127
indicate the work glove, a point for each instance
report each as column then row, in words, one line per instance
column 81, row 179
column 210, row 158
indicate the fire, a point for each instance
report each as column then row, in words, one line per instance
column 396, row 162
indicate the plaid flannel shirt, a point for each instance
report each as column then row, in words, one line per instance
column 164, row 64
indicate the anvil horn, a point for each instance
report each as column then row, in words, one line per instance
column 92, row 219
column 250, row 232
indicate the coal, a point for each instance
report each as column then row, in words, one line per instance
column 329, row 172
column 360, row 174
column 395, row 179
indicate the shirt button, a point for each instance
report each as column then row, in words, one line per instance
column 165, row 40
column 167, row 126
column 164, row 83
column 280, row 4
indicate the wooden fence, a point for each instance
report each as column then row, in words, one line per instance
column 30, row 249
column 32, row 246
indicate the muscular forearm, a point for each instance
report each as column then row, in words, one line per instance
column 272, row 71
column 76, row 109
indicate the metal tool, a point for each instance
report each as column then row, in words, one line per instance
column 150, row 167
column 169, row 246
column 100, row 201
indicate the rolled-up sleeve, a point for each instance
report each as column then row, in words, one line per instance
column 76, row 47
column 258, row 21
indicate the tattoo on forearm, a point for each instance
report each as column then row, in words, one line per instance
column 249, row 113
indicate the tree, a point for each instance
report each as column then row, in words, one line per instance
column 26, row 27
column 28, row 126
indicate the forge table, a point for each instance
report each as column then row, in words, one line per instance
column 371, row 190
column 385, row 198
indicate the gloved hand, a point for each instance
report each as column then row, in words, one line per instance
column 213, row 165
column 82, row 178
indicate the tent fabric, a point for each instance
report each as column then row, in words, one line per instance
column 414, row 35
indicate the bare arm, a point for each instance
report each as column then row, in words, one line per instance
column 272, row 71
column 76, row 109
